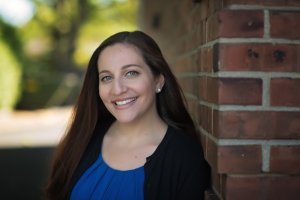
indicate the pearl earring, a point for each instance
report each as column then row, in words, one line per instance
column 158, row 90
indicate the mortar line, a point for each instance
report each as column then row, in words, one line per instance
column 266, row 24
column 262, row 142
column 266, row 92
column 265, row 158
column 248, row 41
column 257, row 7
column 249, row 74
column 248, row 107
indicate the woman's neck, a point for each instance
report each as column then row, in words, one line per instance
column 139, row 128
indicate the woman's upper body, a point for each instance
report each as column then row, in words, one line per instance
column 129, row 85
column 100, row 181
column 175, row 170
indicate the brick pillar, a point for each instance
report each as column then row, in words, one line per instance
column 238, row 62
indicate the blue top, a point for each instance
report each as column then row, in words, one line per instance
column 101, row 182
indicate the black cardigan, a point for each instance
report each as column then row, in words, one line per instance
column 176, row 170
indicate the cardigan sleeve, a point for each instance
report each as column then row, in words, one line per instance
column 194, row 182
column 194, row 177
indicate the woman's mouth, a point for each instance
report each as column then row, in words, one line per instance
column 125, row 101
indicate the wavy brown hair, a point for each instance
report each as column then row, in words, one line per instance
column 89, row 110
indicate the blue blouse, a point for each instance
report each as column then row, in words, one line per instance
column 101, row 182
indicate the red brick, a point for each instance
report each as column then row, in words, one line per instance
column 193, row 108
column 176, row 49
column 191, row 40
column 284, row 24
column 184, row 7
column 203, row 139
column 203, row 10
column 239, row 159
column 167, row 20
column 241, row 23
column 212, row 26
column 205, row 62
column 235, row 23
column 178, row 32
column 285, row 92
column 285, row 159
column 241, row 91
column 208, row 89
column 217, row 182
column 257, row 57
column 212, row 153
column 203, row 88
column 186, row 64
column 205, row 118
column 214, row 6
column 189, row 85
column 262, row 187
column 201, row 33
column 256, row 124
column 265, row 2
column 181, row 66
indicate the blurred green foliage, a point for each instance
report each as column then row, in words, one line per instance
column 49, row 54
column 10, row 78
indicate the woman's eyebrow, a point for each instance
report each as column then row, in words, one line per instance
column 123, row 68
column 131, row 65
column 103, row 71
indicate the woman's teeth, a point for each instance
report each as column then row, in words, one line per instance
column 121, row 103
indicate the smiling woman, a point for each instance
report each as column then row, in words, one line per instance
column 16, row 12
column 131, row 136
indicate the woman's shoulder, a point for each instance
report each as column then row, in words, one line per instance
column 189, row 152
column 184, row 144
column 182, row 138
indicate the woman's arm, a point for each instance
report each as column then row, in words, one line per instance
column 194, row 173
column 195, row 179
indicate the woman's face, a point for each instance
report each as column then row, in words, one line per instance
column 127, row 85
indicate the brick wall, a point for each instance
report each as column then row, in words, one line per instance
column 238, row 62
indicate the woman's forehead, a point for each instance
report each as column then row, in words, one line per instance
column 119, row 54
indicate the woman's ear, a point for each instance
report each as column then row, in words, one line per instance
column 160, row 83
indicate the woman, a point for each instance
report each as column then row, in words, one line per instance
column 131, row 136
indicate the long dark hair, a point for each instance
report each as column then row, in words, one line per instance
column 89, row 110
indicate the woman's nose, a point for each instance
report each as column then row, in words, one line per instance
column 118, row 87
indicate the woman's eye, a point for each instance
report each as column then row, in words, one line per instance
column 106, row 78
column 132, row 73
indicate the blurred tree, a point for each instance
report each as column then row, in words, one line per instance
column 12, row 38
column 111, row 16
column 10, row 68
column 10, row 78
column 64, row 26
column 60, row 21
column 58, row 42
